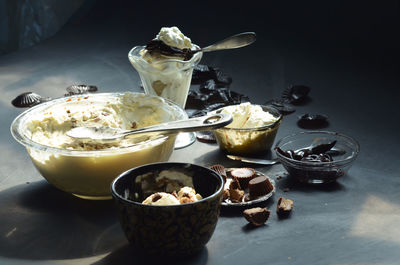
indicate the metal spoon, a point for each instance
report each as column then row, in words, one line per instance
column 108, row 134
column 233, row 42
column 267, row 162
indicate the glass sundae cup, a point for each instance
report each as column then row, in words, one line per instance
column 168, row 78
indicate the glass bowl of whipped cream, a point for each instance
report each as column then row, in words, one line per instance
column 86, row 168
column 252, row 130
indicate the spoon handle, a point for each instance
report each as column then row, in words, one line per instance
column 233, row 42
column 203, row 123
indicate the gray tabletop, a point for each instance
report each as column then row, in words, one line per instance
column 351, row 65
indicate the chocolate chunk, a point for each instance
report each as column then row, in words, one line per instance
column 234, row 184
column 220, row 169
column 221, row 78
column 260, row 186
column 257, row 216
column 208, row 86
column 160, row 47
column 27, row 99
column 295, row 94
column 284, row 207
column 80, row 89
column 156, row 197
column 236, row 195
column 243, row 175
column 201, row 73
column 282, row 106
column 313, row 121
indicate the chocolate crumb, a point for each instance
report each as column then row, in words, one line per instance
column 156, row 197
column 134, row 125
column 284, row 207
column 236, row 195
column 234, row 184
column 257, row 216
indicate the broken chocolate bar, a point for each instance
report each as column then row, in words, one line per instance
column 284, row 207
column 257, row 216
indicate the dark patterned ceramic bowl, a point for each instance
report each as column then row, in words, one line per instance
column 174, row 229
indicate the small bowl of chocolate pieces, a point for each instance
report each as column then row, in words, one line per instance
column 317, row 157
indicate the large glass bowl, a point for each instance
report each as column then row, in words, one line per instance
column 344, row 153
column 88, row 173
column 248, row 141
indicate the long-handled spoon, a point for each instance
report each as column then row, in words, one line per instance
column 108, row 134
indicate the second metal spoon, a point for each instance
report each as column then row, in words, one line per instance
column 233, row 42
column 108, row 134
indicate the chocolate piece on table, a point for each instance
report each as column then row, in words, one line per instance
column 260, row 186
column 27, row 99
column 80, row 89
column 284, row 207
column 296, row 94
column 257, row 216
column 313, row 121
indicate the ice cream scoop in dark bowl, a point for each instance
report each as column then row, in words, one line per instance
column 168, row 229
column 317, row 156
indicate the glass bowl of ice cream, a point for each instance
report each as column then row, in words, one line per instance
column 317, row 157
column 84, row 168
column 252, row 130
column 168, row 208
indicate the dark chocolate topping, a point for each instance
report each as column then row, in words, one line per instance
column 159, row 46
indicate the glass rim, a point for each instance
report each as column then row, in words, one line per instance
column 261, row 128
column 28, row 143
column 126, row 174
column 343, row 161
column 134, row 56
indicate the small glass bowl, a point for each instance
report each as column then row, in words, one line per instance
column 248, row 141
column 88, row 173
column 345, row 152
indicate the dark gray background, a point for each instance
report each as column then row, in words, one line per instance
column 348, row 53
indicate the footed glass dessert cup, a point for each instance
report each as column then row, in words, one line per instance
column 168, row 78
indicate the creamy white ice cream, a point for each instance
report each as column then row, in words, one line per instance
column 161, row 198
column 188, row 194
column 174, row 37
column 246, row 115
column 127, row 112
column 184, row 195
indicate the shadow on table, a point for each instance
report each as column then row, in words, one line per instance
column 128, row 254
column 40, row 222
column 288, row 183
